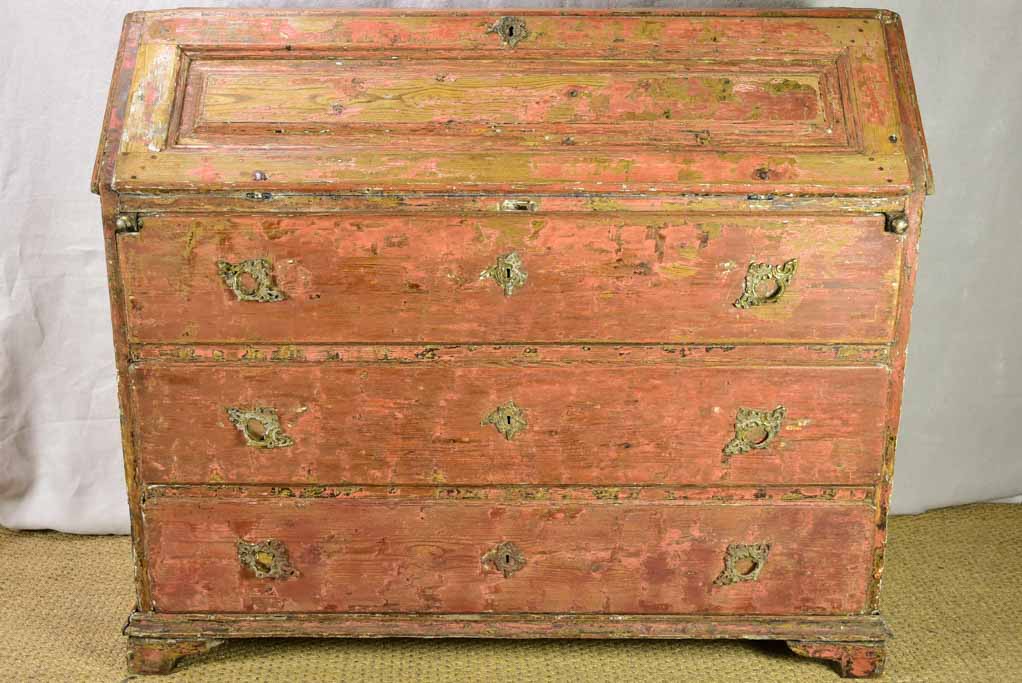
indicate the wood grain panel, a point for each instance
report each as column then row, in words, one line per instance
column 378, row 424
column 619, row 277
column 359, row 556
column 326, row 102
column 469, row 103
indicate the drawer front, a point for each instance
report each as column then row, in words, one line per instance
column 507, row 277
column 534, row 424
column 222, row 555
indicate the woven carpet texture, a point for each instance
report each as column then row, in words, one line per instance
column 952, row 595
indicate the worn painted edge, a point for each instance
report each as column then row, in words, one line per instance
column 869, row 628
column 914, row 138
column 102, row 173
column 468, row 494
column 485, row 203
column 816, row 12
column 895, row 391
column 462, row 354
column 117, row 101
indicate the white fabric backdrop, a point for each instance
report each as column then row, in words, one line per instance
column 60, row 461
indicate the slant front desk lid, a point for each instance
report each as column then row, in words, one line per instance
column 804, row 101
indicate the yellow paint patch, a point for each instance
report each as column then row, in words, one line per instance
column 676, row 271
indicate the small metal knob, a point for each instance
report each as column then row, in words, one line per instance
column 127, row 222
column 897, row 223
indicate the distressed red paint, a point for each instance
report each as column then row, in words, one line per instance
column 365, row 556
column 369, row 157
column 654, row 278
column 611, row 425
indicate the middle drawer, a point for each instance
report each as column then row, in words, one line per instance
column 435, row 423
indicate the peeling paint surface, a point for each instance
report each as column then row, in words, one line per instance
column 602, row 278
column 374, row 424
column 636, row 165
column 366, row 556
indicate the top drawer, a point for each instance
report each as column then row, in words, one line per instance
column 530, row 277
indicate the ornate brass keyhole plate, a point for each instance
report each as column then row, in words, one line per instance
column 267, row 560
column 754, row 429
column 260, row 427
column 765, row 283
column 506, row 558
column 250, row 280
column 511, row 30
column 508, row 419
column 506, row 272
column 743, row 562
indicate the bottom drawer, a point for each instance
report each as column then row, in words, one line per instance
column 387, row 555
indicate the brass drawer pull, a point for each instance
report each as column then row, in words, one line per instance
column 765, row 283
column 754, row 429
column 506, row 272
column 506, row 558
column 250, row 280
column 260, row 427
column 743, row 562
column 508, row 419
column 267, row 560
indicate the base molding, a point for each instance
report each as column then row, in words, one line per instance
column 866, row 628
column 156, row 641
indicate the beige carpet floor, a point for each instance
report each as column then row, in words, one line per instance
column 952, row 594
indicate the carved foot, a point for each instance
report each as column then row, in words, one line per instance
column 160, row 655
column 852, row 660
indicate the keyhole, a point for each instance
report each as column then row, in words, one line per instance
column 508, row 271
column 509, row 419
column 507, row 559
column 510, row 31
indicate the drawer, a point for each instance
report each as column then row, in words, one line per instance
column 430, row 423
column 511, row 277
column 286, row 555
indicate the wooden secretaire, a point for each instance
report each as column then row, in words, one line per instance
column 559, row 324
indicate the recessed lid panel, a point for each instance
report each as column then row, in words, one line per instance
column 544, row 102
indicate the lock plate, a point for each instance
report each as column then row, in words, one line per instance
column 508, row 419
column 512, row 30
column 507, row 272
column 506, row 558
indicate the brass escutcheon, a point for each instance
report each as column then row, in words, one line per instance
column 506, row 272
column 261, row 273
column 754, row 429
column 743, row 562
column 260, row 427
column 506, row 558
column 760, row 274
column 267, row 560
column 511, row 30
column 508, row 419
